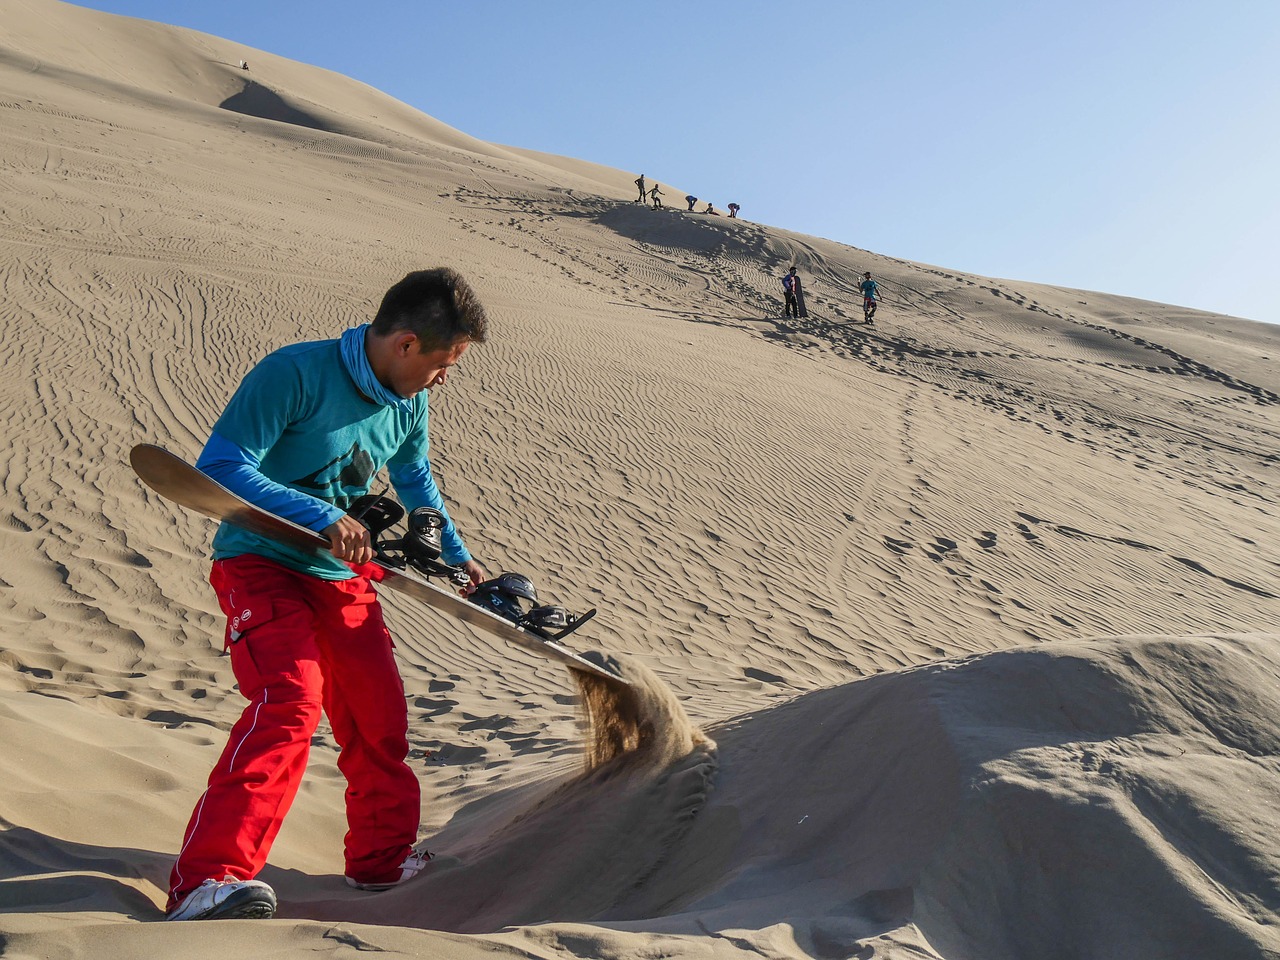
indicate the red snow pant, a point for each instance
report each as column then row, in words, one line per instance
column 298, row 645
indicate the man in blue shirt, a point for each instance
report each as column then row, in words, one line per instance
column 303, row 437
column 870, row 291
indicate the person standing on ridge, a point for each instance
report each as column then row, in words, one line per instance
column 870, row 295
column 690, row 199
column 640, row 184
column 655, row 193
column 733, row 211
column 304, row 436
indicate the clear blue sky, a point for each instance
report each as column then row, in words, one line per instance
column 1128, row 146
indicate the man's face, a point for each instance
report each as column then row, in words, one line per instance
column 412, row 371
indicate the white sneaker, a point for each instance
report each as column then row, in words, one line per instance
column 413, row 865
column 228, row 899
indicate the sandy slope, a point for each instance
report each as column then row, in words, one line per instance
column 873, row 564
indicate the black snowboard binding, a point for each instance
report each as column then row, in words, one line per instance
column 419, row 548
column 506, row 595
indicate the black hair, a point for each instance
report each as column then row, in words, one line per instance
column 438, row 306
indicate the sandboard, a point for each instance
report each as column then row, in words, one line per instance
column 801, row 310
column 175, row 479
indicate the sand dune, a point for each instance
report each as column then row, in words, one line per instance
column 956, row 631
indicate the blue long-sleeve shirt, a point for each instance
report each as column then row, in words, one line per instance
column 300, row 440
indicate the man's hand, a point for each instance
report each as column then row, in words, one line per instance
column 478, row 575
column 349, row 540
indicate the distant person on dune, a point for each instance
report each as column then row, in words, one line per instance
column 733, row 211
column 790, row 284
column 870, row 296
column 640, row 184
column 711, row 210
column 690, row 200
column 304, row 436
column 655, row 193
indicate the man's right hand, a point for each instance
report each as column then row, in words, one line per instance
column 349, row 540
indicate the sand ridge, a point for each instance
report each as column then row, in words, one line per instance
column 829, row 544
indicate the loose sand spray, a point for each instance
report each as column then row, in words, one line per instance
column 587, row 847
column 639, row 722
